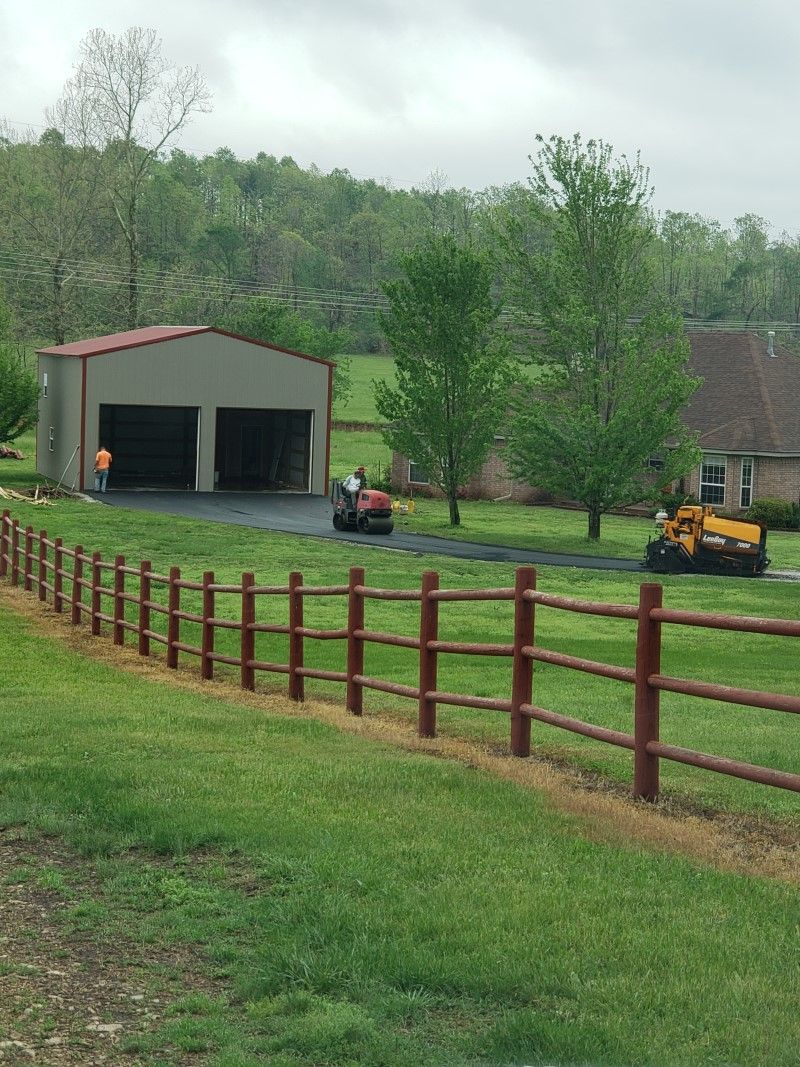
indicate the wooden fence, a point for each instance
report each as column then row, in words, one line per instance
column 43, row 566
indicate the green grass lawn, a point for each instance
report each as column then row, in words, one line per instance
column 356, row 448
column 360, row 406
column 358, row 904
column 769, row 738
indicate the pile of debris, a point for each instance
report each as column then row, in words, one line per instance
column 10, row 453
column 42, row 494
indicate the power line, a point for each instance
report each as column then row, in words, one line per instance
column 86, row 273
column 91, row 274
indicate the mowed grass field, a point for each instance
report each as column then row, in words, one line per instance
column 750, row 661
column 353, row 903
column 360, row 406
column 358, row 904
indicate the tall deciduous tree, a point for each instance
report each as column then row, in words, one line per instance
column 138, row 104
column 614, row 360
column 451, row 364
column 19, row 389
column 50, row 197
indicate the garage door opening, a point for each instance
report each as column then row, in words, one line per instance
column 263, row 450
column 153, row 447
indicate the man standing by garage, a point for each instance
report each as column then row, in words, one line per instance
column 102, row 462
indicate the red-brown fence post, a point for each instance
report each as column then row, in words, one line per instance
column 207, row 639
column 144, row 607
column 522, row 676
column 646, row 712
column 428, row 658
column 248, row 642
column 42, row 575
column 58, row 577
column 96, row 602
column 173, row 622
column 119, row 600
column 27, row 563
column 296, row 681
column 77, row 586
column 5, row 523
column 15, row 552
column 355, row 646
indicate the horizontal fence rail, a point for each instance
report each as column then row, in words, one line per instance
column 90, row 589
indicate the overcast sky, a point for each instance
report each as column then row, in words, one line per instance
column 706, row 90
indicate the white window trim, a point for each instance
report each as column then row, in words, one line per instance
column 44, row 383
column 742, row 487
column 51, row 439
column 713, row 460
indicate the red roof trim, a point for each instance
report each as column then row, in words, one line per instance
column 146, row 336
column 117, row 342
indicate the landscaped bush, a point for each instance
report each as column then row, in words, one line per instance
column 775, row 514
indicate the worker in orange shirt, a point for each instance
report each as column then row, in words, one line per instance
column 102, row 461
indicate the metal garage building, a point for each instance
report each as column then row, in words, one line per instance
column 185, row 407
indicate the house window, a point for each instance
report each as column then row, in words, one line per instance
column 655, row 462
column 417, row 474
column 51, row 440
column 712, row 480
column 746, row 492
column 44, row 384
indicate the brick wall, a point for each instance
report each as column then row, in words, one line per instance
column 492, row 482
column 772, row 477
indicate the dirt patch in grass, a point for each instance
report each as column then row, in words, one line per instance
column 72, row 996
column 745, row 844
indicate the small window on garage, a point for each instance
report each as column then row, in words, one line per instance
column 712, row 480
column 416, row 474
column 44, row 384
column 51, row 439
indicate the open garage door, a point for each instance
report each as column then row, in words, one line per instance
column 260, row 449
column 153, row 447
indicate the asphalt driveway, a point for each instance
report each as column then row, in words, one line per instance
column 311, row 516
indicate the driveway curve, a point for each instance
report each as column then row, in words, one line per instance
column 310, row 516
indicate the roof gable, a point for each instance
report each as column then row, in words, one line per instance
column 149, row 335
column 749, row 401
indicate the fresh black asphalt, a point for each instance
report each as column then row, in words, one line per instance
column 311, row 516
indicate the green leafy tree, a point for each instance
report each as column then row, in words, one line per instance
column 19, row 388
column 614, row 375
column 451, row 363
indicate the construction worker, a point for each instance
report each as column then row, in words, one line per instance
column 353, row 485
column 102, row 462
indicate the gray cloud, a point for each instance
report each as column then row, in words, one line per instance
column 706, row 90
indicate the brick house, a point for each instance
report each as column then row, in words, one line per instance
column 747, row 413
column 492, row 482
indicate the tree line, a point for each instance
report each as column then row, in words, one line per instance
column 105, row 224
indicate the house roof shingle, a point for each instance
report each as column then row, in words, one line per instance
column 749, row 401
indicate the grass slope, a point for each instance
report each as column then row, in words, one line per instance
column 752, row 661
column 366, row 906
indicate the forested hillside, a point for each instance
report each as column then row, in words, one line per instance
column 216, row 231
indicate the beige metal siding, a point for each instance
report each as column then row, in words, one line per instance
column 61, row 409
column 209, row 371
